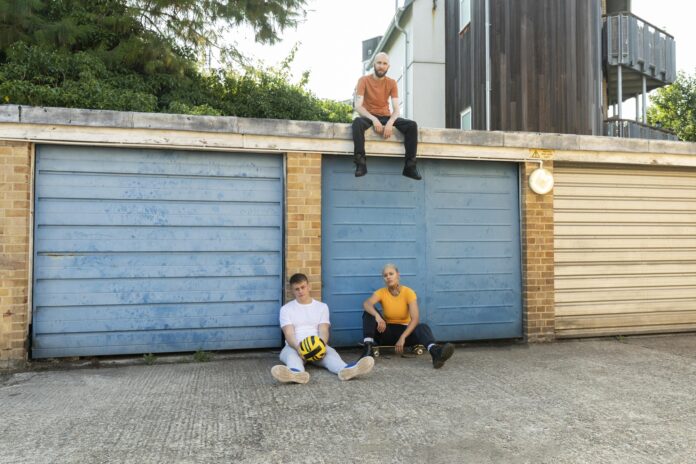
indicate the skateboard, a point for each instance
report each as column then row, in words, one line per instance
column 415, row 349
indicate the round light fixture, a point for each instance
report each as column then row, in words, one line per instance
column 541, row 181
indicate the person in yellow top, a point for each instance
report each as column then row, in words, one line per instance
column 399, row 324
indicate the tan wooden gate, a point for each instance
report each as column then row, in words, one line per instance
column 625, row 250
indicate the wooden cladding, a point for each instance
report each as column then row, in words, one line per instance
column 545, row 66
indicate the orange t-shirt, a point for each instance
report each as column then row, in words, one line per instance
column 376, row 93
column 395, row 308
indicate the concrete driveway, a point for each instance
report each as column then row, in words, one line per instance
column 631, row 400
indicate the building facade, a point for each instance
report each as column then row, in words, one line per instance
column 536, row 65
column 413, row 41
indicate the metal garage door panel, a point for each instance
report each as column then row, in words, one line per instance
column 155, row 251
column 474, row 251
column 365, row 225
column 625, row 259
column 454, row 236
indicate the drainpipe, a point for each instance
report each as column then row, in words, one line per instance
column 645, row 92
column 619, row 89
column 488, row 66
column 637, row 107
column 397, row 18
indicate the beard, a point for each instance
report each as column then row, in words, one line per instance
column 380, row 74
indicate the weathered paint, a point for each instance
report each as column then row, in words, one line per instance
column 454, row 235
column 141, row 251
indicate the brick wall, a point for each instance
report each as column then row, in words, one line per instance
column 15, row 178
column 537, row 260
column 303, row 220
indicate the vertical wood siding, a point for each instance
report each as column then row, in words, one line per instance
column 545, row 66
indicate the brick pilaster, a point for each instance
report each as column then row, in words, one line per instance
column 303, row 219
column 15, row 178
column 537, row 260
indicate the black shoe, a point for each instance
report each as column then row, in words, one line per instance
column 360, row 169
column 411, row 171
column 368, row 350
column 441, row 354
column 360, row 165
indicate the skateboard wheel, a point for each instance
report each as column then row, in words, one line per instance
column 419, row 351
column 375, row 352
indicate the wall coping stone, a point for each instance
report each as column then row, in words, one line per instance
column 29, row 115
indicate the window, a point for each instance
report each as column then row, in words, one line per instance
column 464, row 14
column 465, row 119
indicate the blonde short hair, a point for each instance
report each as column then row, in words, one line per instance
column 390, row 266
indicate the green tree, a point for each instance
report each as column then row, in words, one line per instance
column 674, row 107
column 142, row 56
column 194, row 25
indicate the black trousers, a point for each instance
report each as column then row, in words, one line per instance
column 405, row 126
column 422, row 335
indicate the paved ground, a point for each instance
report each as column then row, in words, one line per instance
column 598, row 401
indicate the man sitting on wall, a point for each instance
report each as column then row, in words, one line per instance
column 372, row 104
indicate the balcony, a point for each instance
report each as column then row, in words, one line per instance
column 638, row 56
column 626, row 128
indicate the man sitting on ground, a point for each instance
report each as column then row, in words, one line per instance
column 302, row 318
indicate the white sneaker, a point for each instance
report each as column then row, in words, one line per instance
column 362, row 367
column 283, row 373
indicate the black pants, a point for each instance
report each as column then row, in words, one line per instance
column 405, row 126
column 422, row 335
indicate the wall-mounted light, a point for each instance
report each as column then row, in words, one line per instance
column 541, row 181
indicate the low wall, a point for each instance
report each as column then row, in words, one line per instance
column 303, row 144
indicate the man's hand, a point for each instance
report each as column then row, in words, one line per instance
column 388, row 129
column 399, row 346
column 379, row 128
column 381, row 325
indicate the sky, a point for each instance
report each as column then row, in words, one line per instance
column 330, row 39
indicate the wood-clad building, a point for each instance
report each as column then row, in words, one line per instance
column 545, row 63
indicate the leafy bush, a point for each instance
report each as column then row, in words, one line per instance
column 674, row 107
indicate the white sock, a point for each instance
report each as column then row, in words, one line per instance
column 369, row 340
column 430, row 346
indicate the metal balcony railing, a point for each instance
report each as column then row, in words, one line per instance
column 634, row 43
column 627, row 128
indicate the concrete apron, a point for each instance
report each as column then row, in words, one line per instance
column 628, row 400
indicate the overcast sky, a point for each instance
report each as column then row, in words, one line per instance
column 331, row 38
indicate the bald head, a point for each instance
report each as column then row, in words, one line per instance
column 383, row 56
column 381, row 65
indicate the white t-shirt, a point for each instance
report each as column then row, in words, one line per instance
column 305, row 317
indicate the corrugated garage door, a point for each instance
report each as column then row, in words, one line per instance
column 625, row 250
column 454, row 236
column 139, row 251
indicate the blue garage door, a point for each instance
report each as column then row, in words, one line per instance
column 454, row 236
column 139, row 251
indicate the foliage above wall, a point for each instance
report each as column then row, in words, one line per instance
column 133, row 55
column 674, row 107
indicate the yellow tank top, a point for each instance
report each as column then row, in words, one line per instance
column 395, row 308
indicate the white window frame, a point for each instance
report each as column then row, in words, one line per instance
column 464, row 14
column 462, row 116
